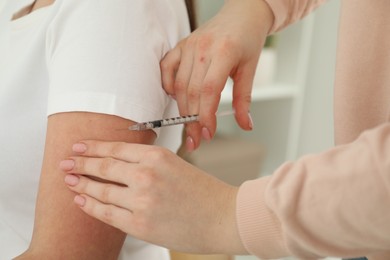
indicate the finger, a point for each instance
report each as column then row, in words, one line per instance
column 107, row 213
column 182, row 79
column 105, row 192
column 200, row 67
column 128, row 152
column 193, row 133
column 242, row 92
column 105, row 168
column 194, row 91
column 213, row 85
column 169, row 65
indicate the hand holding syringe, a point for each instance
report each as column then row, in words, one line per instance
column 172, row 121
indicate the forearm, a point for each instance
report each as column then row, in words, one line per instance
column 61, row 230
column 322, row 205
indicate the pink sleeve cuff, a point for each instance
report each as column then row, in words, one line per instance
column 259, row 229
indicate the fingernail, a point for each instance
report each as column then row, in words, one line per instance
column 72, row 180
column 79, row 200
column 250, row 120
column 66, row 165
column 206, row 134
column 79, row 148
column 190, row 145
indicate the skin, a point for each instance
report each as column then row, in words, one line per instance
column 156, row 193
column 196, row 70
column 106, row 202
column 61, row 230
column 34, row 6
column 41, row 3
column 141, row 205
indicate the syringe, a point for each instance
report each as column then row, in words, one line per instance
column 171, row 121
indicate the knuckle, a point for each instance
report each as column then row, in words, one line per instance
column 117, row 149
column 171, row 58
column 158, row 154
column 228, row 49
column 165, row 64
column 226, row 45
column 79, row 164
column 204, row 41
column 193, row 94
column 144, row 178
column 91, row 208
column 93, row 147
column 240, row 99
column 191, row 41
column 247, row 98
column 208, row 89
column 105, row 166
column 83, row 186
column 179, row 85
column 107, row 215
column 106, row 193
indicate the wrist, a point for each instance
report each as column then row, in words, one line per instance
column 226, row 233
column 267, row 14
column 258, row 11
column 236, row 244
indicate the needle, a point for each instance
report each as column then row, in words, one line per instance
column 172, row 121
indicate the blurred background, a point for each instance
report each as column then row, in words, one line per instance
column 292, row 105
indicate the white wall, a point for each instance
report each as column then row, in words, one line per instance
column 207, row 9
column 2, row 2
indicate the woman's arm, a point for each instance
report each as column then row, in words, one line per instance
column 329, row 204
column 320, row 205
column 229, row 45
column 102, row 57
column 61, row 230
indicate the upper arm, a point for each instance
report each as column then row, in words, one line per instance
column 61, row 229
column 101, row 60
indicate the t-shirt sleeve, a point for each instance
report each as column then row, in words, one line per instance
column 287, row 12
column 329, row 204
column 103, row 57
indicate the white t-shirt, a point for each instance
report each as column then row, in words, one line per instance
column 96, row 56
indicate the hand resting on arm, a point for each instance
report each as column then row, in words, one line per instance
column 61, row 230
column 159, row 188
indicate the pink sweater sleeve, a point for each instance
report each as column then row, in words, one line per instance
column 322, row 205
column 289, row 11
